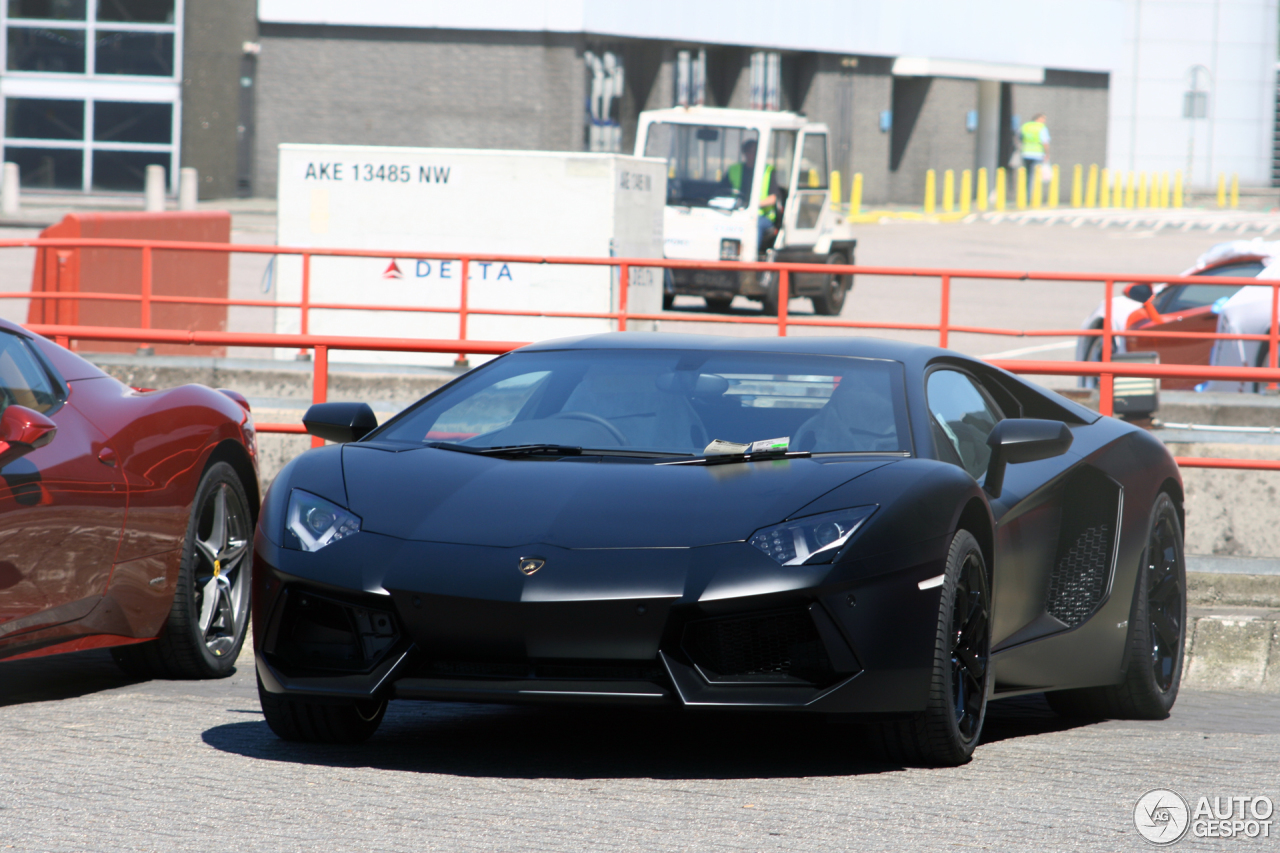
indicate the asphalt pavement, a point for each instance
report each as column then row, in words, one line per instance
column 90, row 761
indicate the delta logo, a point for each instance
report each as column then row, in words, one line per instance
column 392, row 270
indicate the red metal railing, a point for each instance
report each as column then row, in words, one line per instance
column 1106, row 370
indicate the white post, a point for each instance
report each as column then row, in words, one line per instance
column 155, row 188
column 188, row 183
column 9, row 192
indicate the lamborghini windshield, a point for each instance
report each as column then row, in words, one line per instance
column 666, row 402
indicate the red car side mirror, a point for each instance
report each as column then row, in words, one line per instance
column 22, row 431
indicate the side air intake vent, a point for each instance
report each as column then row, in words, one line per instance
column 1086, row 544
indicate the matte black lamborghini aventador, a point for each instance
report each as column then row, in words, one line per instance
column 847, row 526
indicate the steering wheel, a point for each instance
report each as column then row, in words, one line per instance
column 597, row 420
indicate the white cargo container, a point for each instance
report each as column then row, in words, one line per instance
column 450, row 200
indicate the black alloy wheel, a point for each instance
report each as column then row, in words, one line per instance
column 210, row 612
column 830, row 302
column 1157, row 633
column 949, row 729
column 1165, row 601
column 970, row 646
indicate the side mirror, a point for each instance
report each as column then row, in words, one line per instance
column 340, row 422
column 22, row 431
column 1022, row 440
column 1138, row 292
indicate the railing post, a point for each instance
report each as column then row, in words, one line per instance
column 463, row 295
column 784, row 299
column 1274, row 343
column 62, row 341
column 145, row 321
column 1106, row 381
column 304, row 305
column 944, row 313
column 319, row 383
column 624, row 280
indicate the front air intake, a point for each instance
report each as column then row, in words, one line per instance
column 781, row 646
column 318, row 632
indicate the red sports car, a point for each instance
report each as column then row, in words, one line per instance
column 125, row 515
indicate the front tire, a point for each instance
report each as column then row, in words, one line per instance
column 830, row 302
column 293, row 719
column 946, row 734
column 210, row 611
column 1157, row 634
column 718, row 304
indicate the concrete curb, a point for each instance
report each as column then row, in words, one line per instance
column 1233, row 651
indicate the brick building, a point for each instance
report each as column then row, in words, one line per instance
column 96, row 89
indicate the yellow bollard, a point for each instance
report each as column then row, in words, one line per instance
column 930, row 191
column 1177, row 189
column 855, row 196
column 1142, row 190
column 1130, row 189
column 949, row 190
column 1037, row 189
column 1077, row 186
column 1055, row 182
column 1002, row 188
column 1222, row 189
column 1091, row 187
column 1104, row 188
column 966, row 190
column 1166, row 189
column 835, row 190
column 982, row 188
column 1021, row 190
column 1235, row 189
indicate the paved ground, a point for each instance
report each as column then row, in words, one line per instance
column 171, row 766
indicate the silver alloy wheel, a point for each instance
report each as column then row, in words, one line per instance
column 221, row 571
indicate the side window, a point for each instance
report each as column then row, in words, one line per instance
column 493, row 408
column 813, row 162
column 23, row 381
column 962, row 418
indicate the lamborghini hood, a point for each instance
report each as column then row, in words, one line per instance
column 435, row 495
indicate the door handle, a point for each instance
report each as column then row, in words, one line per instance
column 108, row 457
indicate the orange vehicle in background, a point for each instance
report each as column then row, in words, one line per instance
column 1186, row 308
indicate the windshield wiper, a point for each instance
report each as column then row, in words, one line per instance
column 730, row 458
column 510, row 449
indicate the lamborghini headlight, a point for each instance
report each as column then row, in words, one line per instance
column 313, row 522
column 812, row 539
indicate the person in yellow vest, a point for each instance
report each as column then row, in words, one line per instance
column 1035, row 148
column 739, row 177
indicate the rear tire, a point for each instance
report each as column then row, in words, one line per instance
column 946, row 734
column 210, row 611
column 1157, row 634
column 310, row 722
column 1264, row 356
column 718, row 304
column 830, row 302
column 668, row 299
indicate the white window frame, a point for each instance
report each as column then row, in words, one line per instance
column 91, row 86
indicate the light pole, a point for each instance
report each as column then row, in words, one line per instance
column 1195, row 104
